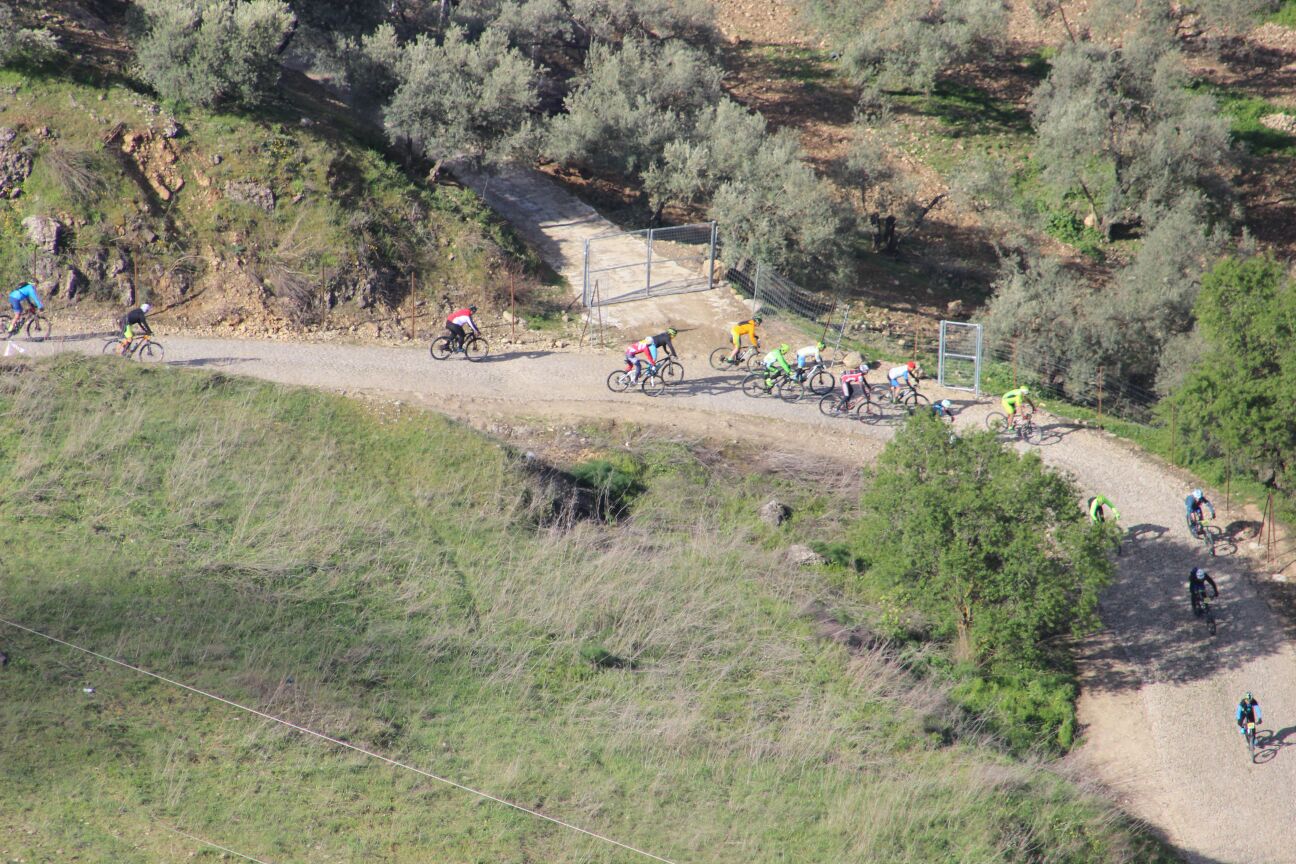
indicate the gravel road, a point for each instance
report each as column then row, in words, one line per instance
column 1159, row 691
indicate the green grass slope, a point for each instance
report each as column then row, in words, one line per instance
column 389, row 580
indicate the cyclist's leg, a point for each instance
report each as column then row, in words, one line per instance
column 17, row 307
column 737, row 342
column 128, row 335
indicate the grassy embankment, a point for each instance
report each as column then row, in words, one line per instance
column 341, row 209
column 384, row 579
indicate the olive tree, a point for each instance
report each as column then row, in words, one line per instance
column 458, row 98
column 211, row 51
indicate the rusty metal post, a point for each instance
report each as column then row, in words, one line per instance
column 1174, row 428
column 1228, row 478
column 600, row 313
column 413, row 312
column 1014, row 364
column 1100, row 395
column 915, row 345
column 513, row 305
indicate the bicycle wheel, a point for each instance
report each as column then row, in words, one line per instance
column 754, row 385
column 822, row 381
column 868, row 411
column 720, row 360
column 1208, row 538
column 112, row 346
column 828, row 405
column 1031, row 432
column 914, row 400
column 476, row 349
column 672, row 372
column 997, row 422
column 619, row 381
column 653, row 385
column 38, row 328
column 753, row 361
column 150, row 352
column 791, row 391
column 440, row 348
column 1210, row 619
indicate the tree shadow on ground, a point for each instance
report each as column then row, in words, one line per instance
column 1149, row 632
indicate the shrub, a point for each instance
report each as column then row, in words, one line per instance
column 372, row 66
column 211, row 51
column 616, row 480
column 460, row 98
column 30, row 46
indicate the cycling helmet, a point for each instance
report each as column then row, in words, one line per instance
column 758, row 319
column 821, row 346
column 784, row 348
column 144, row 307
column 1199, row 573
column 946, row 404
column 1025, row 391
column 472, row 309
column 911, row 365
column 1198, row 494
column 671, row 331
column 1247, row 697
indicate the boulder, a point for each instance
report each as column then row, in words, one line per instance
column 15, row 164
column 800, row 555
column 954, row 308
column 72, row 283
column 250, row 192
column 44, row 231
column 774, row 513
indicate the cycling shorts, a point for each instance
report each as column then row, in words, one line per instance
column 16, row 305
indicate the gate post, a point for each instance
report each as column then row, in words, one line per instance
column 711, row 269
column 585, row 292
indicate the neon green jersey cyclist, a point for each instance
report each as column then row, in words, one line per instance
column 1013, row 399
column 776, row 359
column 1096, row 511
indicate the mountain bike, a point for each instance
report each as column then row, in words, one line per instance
column 142, row 348
column 814, row 379
column 1208, row 533
column 862, row 408
column 1252, row 734
column 748, row 357
column 1023, row 426
column 764, row 383
column 1203, row 610
column 908, row 396
column 474, row 347
column 666, row 372
column 36, row 325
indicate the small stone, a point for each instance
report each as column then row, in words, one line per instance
column 774, row 513
column 800, row 555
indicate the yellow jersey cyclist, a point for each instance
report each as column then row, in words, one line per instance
column 776, row 362
column 1012, row 402
column 744, row 328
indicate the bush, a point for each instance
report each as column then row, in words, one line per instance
column 210, row 51
column 372, row 66
column 27, row 46
column 616, row 480
column 1029, row 709
column 461, row 98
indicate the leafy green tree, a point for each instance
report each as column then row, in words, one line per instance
column 988, row 544
column 372, row 65
column 1120, row 126
column 906, row 44
column 630, row 103
column 211, row 51
column 462, row 99
column 1241, row 397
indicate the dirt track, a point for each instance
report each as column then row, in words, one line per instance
column 1159, row 692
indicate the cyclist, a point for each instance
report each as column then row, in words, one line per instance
column 635, row 351
column 132, row 319
column 1248, row 711
column 457, row 320
column 23, row 294
column 943, row 410
column 808, row 352
column 853, row 380
column 744, row 328
column 776, row 360
column 1012, row 401
column 1193, row 505
column 899, row 375
column 1198, row 579
column 662, row 340
column 1096, row 511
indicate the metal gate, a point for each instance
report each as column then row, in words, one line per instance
column 634, row 265
column 960, row 356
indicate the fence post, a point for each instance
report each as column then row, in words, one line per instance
column 1228, row 478
column 1014, row 364
column 711, row 270
column 1174, row 432
column 513, row 307
column 915, row 344
column 585, row 286
column 600, row 313
column 756, row 290
column 413, row 312
column 1100, row 395
column 648, row 268
column 841, row 334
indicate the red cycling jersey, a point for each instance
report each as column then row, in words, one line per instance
column 853, row 377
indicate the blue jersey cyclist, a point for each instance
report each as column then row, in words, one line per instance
column 1248, row 711
column 23, row 295
column 1193, row 505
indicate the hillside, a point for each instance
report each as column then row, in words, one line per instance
column 398, row 581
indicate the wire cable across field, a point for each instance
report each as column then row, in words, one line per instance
column 339, row 743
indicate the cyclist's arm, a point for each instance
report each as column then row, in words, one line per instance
column 473, row 325
column 1214, row 589
column 783, row 363
column 143, row 325
column 1211, row 506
